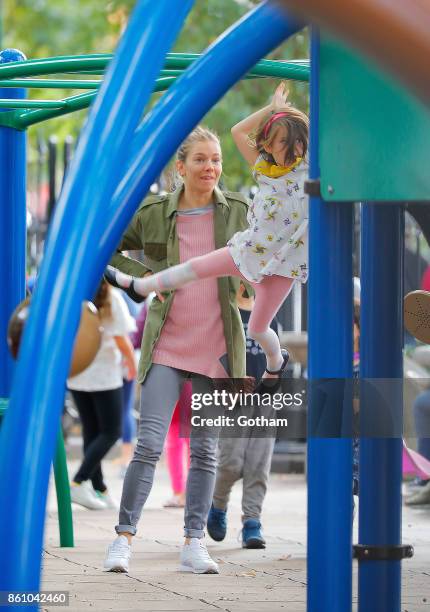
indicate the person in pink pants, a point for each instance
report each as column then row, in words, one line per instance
column 177, row 449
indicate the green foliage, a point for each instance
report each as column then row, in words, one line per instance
column 44, row 28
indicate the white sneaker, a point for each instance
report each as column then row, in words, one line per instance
column 109, row 501
column 118, row 555
column 195, row 558
column 84, row 495
column 420, row 497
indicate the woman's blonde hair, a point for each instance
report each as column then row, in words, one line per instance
column 199, row 134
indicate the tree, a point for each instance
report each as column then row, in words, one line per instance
column 44, row 28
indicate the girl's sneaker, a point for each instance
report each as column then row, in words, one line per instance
column 251, row 534
column 84, row 495
column 115, row 278
column 118, row 555
column 270, row 384
column 217, row 524
column 195, row 558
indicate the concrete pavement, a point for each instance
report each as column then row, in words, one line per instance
column 262, row 580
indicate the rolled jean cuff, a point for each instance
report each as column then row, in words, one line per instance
column 125, row 529
column 194, row 533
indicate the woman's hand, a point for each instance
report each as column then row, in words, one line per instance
column 280, row 97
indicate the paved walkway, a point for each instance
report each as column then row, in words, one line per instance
column 262, row 580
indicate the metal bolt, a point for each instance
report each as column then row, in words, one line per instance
column 330, row 189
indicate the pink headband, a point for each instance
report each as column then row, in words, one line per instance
column 271, row 121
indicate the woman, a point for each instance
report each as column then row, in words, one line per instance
column 194, row 331
column 97, row 392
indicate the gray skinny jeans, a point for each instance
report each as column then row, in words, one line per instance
column 160, row 393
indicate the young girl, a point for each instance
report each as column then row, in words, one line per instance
column 272, row 253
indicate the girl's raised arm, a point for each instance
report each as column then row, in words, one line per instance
column 240, row 132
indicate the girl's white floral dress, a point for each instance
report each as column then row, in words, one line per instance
column 276, row 241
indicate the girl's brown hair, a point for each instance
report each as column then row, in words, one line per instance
column 296, row 124
column 103, row 300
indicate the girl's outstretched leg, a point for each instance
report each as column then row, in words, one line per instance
column 215, row 264
column 172, row 278
column 269, row 297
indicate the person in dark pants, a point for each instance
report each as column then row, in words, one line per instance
column 101, row 428
column 97, row 392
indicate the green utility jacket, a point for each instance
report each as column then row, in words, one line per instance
column 153, row 229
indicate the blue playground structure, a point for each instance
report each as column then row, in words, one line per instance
column 116, row 161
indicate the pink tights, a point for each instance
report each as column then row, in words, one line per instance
column 177, row 447
column 270, row 293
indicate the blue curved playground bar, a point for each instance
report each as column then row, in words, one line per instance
column 74, row 259
column 30, row 429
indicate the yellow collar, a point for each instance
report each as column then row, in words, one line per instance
column 274, row 171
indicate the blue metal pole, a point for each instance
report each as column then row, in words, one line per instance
column 31, row 424
column 12, row 224
column 330, row 365
column 381, row 359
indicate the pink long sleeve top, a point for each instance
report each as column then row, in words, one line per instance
column 192, row 337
